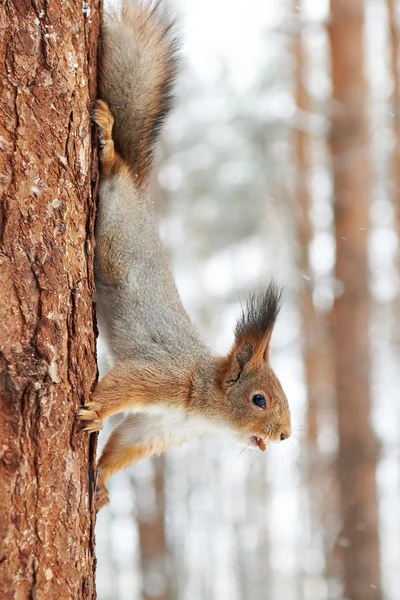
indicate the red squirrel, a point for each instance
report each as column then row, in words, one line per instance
column 164, row 374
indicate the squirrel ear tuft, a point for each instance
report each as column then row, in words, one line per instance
column 257, row 321
column 252, row 335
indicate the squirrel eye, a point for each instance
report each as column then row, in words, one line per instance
column 259, row 401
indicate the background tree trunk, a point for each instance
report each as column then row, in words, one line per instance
column 394, row 42
column 316, row 346
column 395, row 112
column 357, row 454
column 152, row 536
column 302, row 207
column 47, row 340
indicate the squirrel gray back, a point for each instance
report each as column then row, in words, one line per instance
column 138, row 305
column 137, row 73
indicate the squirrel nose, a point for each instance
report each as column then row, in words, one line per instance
column 285, row 434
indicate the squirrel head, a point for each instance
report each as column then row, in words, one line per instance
column 254, row 403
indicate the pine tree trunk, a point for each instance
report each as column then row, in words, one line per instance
column 394, row 40
column 395, row 112
column 316, row 348
column 357, row 454
column 47, row 341
column 152, row 535
column 312, row 352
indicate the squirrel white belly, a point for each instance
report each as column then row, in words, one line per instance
column 164, row 374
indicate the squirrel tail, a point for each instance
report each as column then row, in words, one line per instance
column 137, row 73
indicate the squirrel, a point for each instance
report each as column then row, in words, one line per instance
column 174, row 388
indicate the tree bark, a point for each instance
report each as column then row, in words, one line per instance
column 357, row 454
column 47, row 335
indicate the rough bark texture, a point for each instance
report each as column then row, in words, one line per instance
column 47, row 340
column 357, row 454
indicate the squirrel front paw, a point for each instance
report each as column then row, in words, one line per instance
column 102, row 496
column 90, row 417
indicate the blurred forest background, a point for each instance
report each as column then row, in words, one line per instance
column 281, row 158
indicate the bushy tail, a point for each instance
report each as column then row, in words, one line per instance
column 138, row 69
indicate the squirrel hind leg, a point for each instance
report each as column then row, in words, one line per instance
column 109, row 158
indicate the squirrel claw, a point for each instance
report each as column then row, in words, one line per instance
column 102, row 497
column 89, row 415
column 102, row 116
column 94, row 426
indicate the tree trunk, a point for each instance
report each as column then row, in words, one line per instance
column 357, row 455
column 312, row 352
column 316, row 346
column 153, row 543
column 47, row 339
column 394, row 54
column 394, row 41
